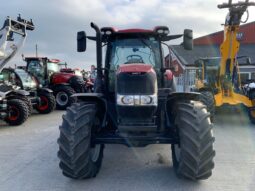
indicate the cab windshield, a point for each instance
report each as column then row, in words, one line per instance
column 53, row 67
column 23, row 75
column 26, row 79
column 135, row 50
column 211, row 69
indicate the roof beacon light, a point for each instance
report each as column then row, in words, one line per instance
column 162, row 30
column 107, row 30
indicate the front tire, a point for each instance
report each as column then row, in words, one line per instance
column 18, row 112
column 79, row 159
column 193, row 157
column 27, row 101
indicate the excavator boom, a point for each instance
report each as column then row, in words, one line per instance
column 229, row 79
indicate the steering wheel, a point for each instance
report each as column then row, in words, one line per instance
column 134, row 58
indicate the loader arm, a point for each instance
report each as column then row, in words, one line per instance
column 8, row 45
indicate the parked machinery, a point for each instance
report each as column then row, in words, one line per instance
column 133, row 105
column 219, row 78
column 41, row 99
column 63, row 84
column 13, row 102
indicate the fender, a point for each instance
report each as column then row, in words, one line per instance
column 3, row 95
column 174, row 97
column 20, row 92
column 15, row 93
column 54, row 86
column 96, row 98
column 180, row 96
column 47, row 90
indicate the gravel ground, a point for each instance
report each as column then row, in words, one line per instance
column 28, row 160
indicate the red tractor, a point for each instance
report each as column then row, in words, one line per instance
column 135, row 104
column 48, row 74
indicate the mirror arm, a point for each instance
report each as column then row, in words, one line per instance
column 92, row 38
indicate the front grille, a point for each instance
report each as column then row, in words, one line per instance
column 5, row 88
column 136, row 83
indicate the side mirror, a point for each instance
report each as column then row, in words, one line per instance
column 81, row 41
column 188, row 39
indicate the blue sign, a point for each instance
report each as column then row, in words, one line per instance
column 239, row 36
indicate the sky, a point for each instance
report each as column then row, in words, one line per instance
column 58, row 21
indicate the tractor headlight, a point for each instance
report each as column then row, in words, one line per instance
column 127, row 100
column 149, row 100
column 137, row 100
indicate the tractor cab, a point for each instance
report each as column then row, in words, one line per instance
column 134, row 50
column 42, row 68
column 48, row 74
column 133, row 76
column 19, row 78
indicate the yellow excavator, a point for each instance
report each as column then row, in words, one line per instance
column 218, row 79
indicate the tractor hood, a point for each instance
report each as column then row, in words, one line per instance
column 135, row 68
column 136, row 79
column 61, row 77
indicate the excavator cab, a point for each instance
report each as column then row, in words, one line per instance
column 207, row 73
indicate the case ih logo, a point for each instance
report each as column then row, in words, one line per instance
column 239, row 36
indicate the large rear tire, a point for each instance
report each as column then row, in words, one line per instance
column 48, row 103
column 207, row 98
column 63, row 97
column 18, row 112
column 193, row 157
column 79, row 159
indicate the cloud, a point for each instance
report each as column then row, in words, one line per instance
column 58, row 21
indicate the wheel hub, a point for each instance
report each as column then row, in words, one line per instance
column 62, row 98
column 44, row 103
column 14, row 113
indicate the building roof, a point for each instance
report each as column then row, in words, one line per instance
column 202, row 51
column 245, row 35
